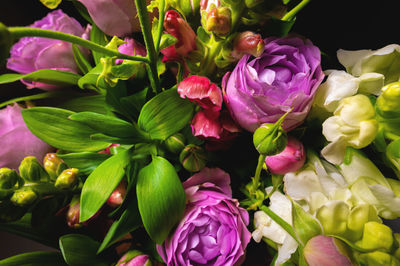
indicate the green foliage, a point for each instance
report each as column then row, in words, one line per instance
column 39, row 258
column 86, row 162
column 304, row 224
column 49, row 76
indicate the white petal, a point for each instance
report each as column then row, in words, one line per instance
column 286, row 250
column 351, row 60
column 371, row 83
column 387, row 199
column 334, row 152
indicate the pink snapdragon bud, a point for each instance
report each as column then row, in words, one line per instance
column 327, row 251
column 117, row 197
column 175, row 25
column 218, row 20
column 247, row 43
column 201, row 91
column 291, row 159
column 134, row 258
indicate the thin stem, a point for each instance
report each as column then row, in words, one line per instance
column 161, row 12
column 34, row 97
column 148, row 40
column 290, row 15
column 256, row 179
column 18, row 32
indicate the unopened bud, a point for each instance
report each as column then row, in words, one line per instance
column 117, row 197
column 175, row 143
column 24, row 197
column 31, row 170
column 269, row 139
column 247, row 43
column 73, row 213
column 134, row 258
column 377, row 258
column 5, row 43
column 376, row 236
column 193, row 158
column 8, row 178
column 326, row 250
column 53, row 165
column 218, row 21
column 67, row 179
column 388, row 103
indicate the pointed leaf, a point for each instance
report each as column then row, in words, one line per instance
column 49, row 76
column 39, row 258
column 99, row 37
column 86, row 162
column 304, row 224
column 161, row 198
column 53, row 126
column 165, row 114
column 101, row 183
column 94, row 103
column 80, row 60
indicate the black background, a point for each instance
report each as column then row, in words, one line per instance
column 346, row 24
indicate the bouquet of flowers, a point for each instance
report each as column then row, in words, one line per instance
column 196, row 133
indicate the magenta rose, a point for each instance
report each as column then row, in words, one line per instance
column 30, row 54
column 213, row 230
column 286, row 76
column 16, row 141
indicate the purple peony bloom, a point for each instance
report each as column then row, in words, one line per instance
column 262, row 89
column 213, row 230
column 16, row 141
column 33, row 53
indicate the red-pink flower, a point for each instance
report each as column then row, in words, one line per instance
column 201, row 91
column 175, row 25
column 291, row 159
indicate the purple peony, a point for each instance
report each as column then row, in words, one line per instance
column 262, row 89
column 213, row 230
column 33, row 53
column 16, row 141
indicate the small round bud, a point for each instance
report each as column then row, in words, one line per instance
column 53, row 165
column 73, row 213
column 376, row 236
column 67, row 179
column 175, row 143
column 388, row 103
column 269, row 139
column 24, row 197
column 219, row 21
column 134, row 258
column 247, row 43
column 117, row 197
column 8, row 178
column 193, row 158
column 31, row 170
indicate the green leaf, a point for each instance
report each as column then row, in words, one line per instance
column 161, row 198
column 53, row 126
column 86, row 162
column 101, row 183
column 80, row 250
column 165, row 114
column 167, row 40
column 94, row 103
column 49, row 76
column 39, row 258
column 304, row 224
column 80, row 60
column 128, row 222
column 135, row 102
column 89, row 80
column 116, row 140
column 99, row 37
column 277, row 27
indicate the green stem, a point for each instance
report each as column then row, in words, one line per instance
column 292, row 13
column 161, row 12
column 34, row 97
column 18, row 32
column 148, row 40
column 276, row 218
column 208, row 67
column 256, row 179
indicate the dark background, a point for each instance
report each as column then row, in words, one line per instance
column 346, row 24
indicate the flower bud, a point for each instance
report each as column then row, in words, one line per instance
column 291, row 159
column 134, row 258
column 377, row 258
column 397, row 251
column 376, row 236
column 5, row 42
column 8, row 178
column 175, row 143
column 218, row 20
column 269, row 139
column 67, row 179
column 73, row 213
column 53, row 165
column 117, row 197
column 388, row 103
column 247, row 43
column 327, row 251
column 193, row 158
column 31, row 170
column 24, row 197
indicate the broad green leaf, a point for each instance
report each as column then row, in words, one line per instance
column 128, row 222
column 49, row 76
column 304, row 224
column 135, row 102
column 39, row 258
column 86, row 162
column 117, row 140
column 161, row 198
column 80, row 60
column 165, row 114
column 99, row 37
column 108, row 125
column 80, row 250
column 101, row 183
column 53, row 126
column 52, row 4
column 94, row 103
